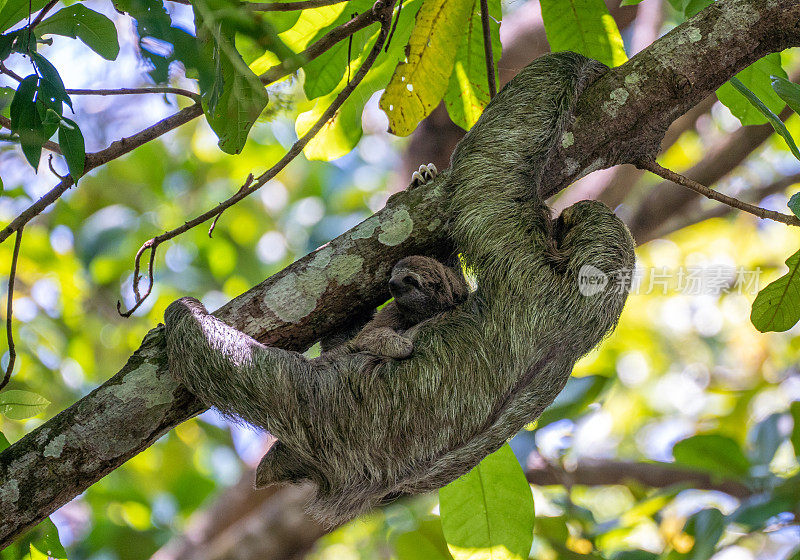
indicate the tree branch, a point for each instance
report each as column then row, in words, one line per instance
column 315, row 295
column 115, row 150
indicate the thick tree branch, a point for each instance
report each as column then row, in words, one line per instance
column 315, row 295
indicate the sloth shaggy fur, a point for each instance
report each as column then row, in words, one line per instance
column 365, row 432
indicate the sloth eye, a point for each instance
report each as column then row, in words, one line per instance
column 411, row 281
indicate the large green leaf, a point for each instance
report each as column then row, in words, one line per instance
column 777, row 307
column 788, row 91
column 468, row 92
column 79, row 22
column 237, row 97
column 4, row 443
column 757, row 78
column 343, row 131
column 418, row 85
column 488, row 513
column 15, row 11
column 19, row 405
column 585, row 27
column 712, row 453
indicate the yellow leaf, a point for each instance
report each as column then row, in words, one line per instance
column 418, row 85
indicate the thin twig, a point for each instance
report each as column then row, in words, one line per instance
column 12, row 350
column 383, row 13
column 669, row 175
column 487, row 49
column 327, row 41
column 43, row 12
column 136, row 91
column 10, row 73
column 115, row 150
column 289, row 6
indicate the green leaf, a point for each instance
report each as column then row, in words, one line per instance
column 794, row 410
column 693, row 7
column 50, row 75
column 488, row 512
column 706, row 527
column 789, row 92
column 630, row 2
column 794, row 204
column 468, row 92
column 73, row 147
column 343, row 131
column 777, row 307
column 765, row 438
column 585, row 27
column 26, row 120
column 773, row 119
column 79, row 22
column 6, row 95
column 757, row 510
column 237, row 97
column 4, row 444
column 15, row 11
column 426, row 543
column 19, row 405
column 325, row 72
column 712, row 453
column 747, row 98
column 579, row 393
column 418, row 85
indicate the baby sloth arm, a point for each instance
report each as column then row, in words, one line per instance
column 381, row 337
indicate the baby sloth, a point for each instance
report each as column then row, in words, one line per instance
column 422, row 288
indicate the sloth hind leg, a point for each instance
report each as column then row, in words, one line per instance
column 279, row 465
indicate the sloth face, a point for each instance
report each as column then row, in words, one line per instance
column 423, row 287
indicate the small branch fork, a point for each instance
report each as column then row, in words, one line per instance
column 383, row 13
column 676, row 178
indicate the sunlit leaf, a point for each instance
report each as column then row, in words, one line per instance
column 426, row 543
column 342, row 133
column 73, row 147
column 777, row 307
column 468, row 92
column 585, row 27
column 4, row 443
column 418, row 85
column 19, row 405
column 757, row 79
column 79, row 22
column 712, row 453
column 488, row 512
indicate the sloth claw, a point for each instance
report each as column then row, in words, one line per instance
column 424, row 174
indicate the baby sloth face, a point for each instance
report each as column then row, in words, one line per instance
column 423, row 287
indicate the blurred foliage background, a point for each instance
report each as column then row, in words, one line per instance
column 684, row 365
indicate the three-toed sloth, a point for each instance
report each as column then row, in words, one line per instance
column 365, row 431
